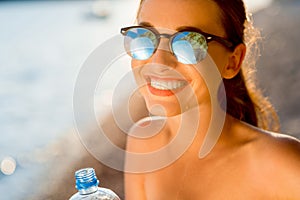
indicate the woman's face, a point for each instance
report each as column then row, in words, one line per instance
column 165, row 83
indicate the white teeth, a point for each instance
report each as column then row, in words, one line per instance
column 167, row 85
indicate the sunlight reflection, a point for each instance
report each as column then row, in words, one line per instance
column 8, row 166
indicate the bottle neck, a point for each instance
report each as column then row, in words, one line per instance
column 89, row 190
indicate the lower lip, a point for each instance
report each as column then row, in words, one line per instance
column 159, row 92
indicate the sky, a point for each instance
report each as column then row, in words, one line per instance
column 253, row 5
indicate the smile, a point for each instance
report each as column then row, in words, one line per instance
column 167, row 85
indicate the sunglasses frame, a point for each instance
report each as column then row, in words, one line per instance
column 208, row 37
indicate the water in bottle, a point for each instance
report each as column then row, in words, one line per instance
column 87, row 186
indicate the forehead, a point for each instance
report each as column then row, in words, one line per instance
column 171, row 14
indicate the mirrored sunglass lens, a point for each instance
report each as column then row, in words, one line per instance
column 140, row 43
column 141, row 48
column 184, row 52
column 189, row 47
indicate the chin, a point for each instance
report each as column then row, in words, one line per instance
column 165, row 109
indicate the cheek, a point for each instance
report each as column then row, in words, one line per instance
column 134, row 63
column 199, row 86
column 220, row 56
column 137, row 67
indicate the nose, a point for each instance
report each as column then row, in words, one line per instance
column 163, row 54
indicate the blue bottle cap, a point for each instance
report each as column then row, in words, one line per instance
column 86, row 178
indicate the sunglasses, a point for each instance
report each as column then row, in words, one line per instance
column 189, row 45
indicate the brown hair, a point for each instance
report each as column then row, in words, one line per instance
column 244, row 100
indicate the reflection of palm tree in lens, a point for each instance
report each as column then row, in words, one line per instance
column 198, row 43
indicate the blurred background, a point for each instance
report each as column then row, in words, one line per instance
column 42, row 47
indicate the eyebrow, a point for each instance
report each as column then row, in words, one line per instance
column 145, row 24
column 181, row 28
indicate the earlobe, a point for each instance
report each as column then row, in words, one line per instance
column 235, row 61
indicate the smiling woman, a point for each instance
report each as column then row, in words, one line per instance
column 246, row 100
column 30, row 81
column 170, row 49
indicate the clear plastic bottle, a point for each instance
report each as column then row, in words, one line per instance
column 87, row 186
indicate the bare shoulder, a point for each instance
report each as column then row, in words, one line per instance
column 268, row 144
column 270, row 160
column 278, row 156
column 281, row 146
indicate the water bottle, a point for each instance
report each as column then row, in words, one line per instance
column 87, row 186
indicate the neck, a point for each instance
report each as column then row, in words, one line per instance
column 198, row 128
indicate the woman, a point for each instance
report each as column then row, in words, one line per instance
column 246, row 162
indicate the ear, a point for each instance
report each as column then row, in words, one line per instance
column 235, row 61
